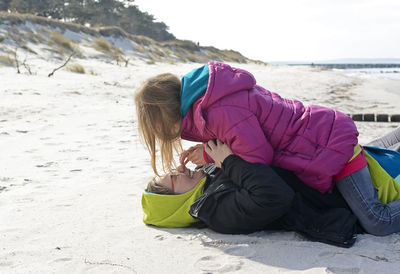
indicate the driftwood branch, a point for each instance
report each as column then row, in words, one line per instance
column 16, row 61
column 63, row 65
column 27, row 67
column 126, row 60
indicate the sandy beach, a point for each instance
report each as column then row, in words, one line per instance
column 72, row 170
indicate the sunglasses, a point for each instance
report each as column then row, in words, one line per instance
column 171, row 176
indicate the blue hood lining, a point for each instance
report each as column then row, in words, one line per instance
column 193, row 85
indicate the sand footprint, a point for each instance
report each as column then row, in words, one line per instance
column 343, row 270
column 219, row 264
column 48, row 164
column 159, row 237
column 247, row 251
column 4, row 264
column 62, row 260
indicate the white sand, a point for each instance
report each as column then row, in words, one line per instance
column 72, row 171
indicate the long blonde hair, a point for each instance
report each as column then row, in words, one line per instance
column 159, row 117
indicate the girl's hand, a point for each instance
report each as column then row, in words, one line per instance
column 193, row 154
column 218, row 151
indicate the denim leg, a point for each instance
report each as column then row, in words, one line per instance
column 389, row 141
column 376, row 218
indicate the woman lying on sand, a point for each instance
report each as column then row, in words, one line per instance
column 241, row 197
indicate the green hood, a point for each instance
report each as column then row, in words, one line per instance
column 170, row 210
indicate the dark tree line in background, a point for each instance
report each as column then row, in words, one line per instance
column 96, row 13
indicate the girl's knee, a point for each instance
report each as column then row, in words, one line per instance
column 380, row 228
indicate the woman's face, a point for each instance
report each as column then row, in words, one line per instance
column 184, row 179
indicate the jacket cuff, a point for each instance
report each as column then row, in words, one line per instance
column 206, row 157
column 230, row 160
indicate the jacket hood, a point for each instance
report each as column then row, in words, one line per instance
column 223, row 80
column 171, row 210
column 193, row 85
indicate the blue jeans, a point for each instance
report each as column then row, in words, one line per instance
column 389, row 141
column 361, row 196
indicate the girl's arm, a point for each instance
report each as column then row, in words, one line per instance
column 193, row 154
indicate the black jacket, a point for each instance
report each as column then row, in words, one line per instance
column 243, row 198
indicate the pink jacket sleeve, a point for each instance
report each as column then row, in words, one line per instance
column 241, row 130
column 207, row 157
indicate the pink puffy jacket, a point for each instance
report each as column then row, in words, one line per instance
column 261, row 127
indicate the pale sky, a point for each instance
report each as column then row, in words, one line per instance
column 286, row 30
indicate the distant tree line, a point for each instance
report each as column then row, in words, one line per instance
column 96, row 13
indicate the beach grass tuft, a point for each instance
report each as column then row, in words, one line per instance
column 105, row 47
column 6, row 60
column 77, row 68
column 61, row 41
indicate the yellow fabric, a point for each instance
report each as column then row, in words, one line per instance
column 357, row 150
column 170, row 210
column 388, row 189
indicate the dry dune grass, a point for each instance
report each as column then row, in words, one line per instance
column 185, row 44
column 105, row 47
column 102, row 45
column 143, row 40
column 63, row 45
column 77, row 68
column 6, row 60
column 60, row 40
column 16, row 18
column 113, row 31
